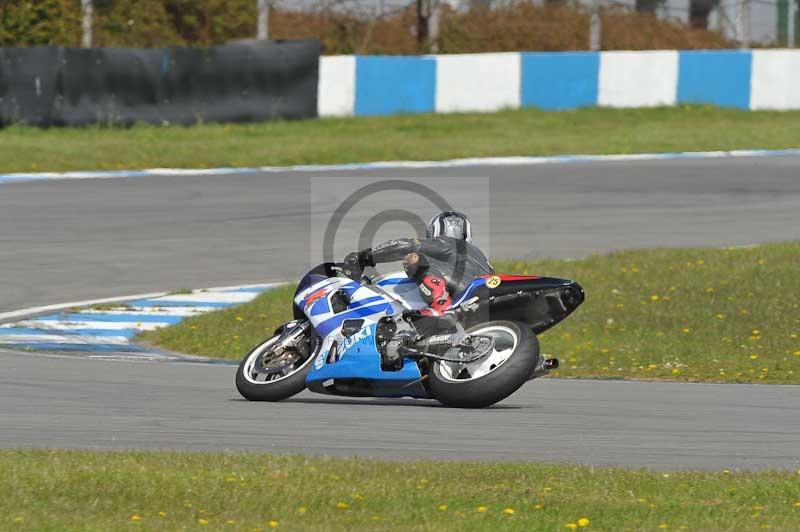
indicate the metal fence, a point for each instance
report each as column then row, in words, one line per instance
column 747, row 22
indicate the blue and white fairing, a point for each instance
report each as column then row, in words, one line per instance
column 357, row 357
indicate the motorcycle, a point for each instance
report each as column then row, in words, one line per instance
column 367, row 338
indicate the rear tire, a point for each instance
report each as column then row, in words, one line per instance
column 493, row 378
column 279, row 389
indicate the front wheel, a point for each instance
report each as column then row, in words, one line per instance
column 276, row 369
column 492, row 378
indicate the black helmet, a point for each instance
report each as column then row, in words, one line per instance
column 450, row 223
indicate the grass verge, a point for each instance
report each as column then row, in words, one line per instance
column 430, row 137
column 72, row 490
column 717, row 315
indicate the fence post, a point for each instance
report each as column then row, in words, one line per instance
column 595, row 29
column 433, row 37
column 791, row 25
column 263, row 19
column 743, row 23
column 88, row 9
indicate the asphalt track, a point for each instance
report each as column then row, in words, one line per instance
column 68, row 240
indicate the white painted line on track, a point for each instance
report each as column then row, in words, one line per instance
column 209, row 297
column 5, row 316
column 21, row 177
column 154, row 311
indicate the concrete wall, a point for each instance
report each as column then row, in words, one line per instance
column 384, row 85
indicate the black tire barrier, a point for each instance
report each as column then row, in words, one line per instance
column 249, row 81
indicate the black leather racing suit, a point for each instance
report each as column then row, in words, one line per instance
column 442, row 266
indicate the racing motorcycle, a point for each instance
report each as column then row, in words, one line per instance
column 367, row 338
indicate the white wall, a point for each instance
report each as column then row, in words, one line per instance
column 775, row 79
column 477, row 82
column 638, row 79
column 337, row 85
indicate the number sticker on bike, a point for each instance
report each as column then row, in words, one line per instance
column 493, row 281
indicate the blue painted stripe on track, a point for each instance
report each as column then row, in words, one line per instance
column 165, row 304
column 127, row 333
column 136, row 318
column 388, row 165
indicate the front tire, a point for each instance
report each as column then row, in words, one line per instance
column 493, row 378
column 256, row 381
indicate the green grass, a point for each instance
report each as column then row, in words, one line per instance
column 71, row 490
column 718, row 315
column 520, row 132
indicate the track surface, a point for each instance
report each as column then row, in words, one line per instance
column 61, row 241
column 61, row 402
column 75, row 240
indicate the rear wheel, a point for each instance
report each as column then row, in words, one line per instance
column 273, row 370
column 492, row 378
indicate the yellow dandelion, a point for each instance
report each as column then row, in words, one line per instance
column 720, row 316
column 358, row 497
column 756, row 332
column 686, row 330
column 162, row 514
column 676, row 371
column 548, row 489
column 753, row 357
column 238, row 318
column 652, row 366
column 482, row 509
column 230, row 522
column 797, row 504
column 342, row 505
column 583, row 521
column 202, row 522
column 18, row 520
column 641, row 500
column 376, row 518
column 709, row 290
column 302, row 510
column 508, row 511
column 796, row 353
column 442, row 507
column 136, row 518
column 654, row 297
column 273, row 524
column 663, row 525
column 571, row 526
column 539, row 506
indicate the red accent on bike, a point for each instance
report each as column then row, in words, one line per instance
column 512, row 277
column 319, row 294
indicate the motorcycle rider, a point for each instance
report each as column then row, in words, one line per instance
column 442, row 264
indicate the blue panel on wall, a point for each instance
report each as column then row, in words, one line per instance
column 388, row 85
column 715, row 77
column 560, row 80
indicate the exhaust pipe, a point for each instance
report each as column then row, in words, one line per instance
column 544, row 367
